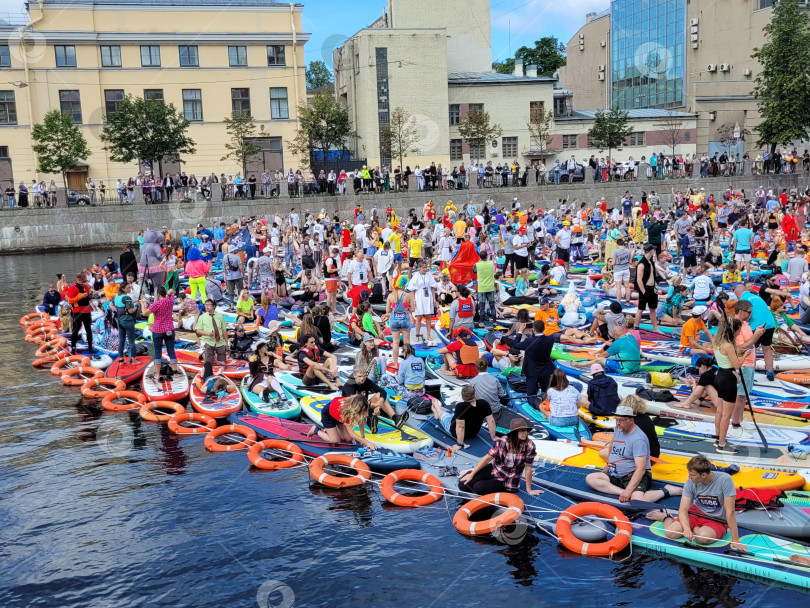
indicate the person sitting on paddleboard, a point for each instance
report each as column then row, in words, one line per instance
column 627, row 473
column 465, row 421
column 500, row 469
column 359, row 384
column 707, row 504
column 316, row 365
column 262, row 364
column 461, row 354
column 212, row 386
column 340, row 416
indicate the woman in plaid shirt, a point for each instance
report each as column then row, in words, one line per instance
column 500, row 469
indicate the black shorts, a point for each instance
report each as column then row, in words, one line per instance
column 648, row 298
column 521, row 261
column 725, row 381
column 766, row 339
column 690, row 260
column 621, row 482
column 563, row 254
column 327, row 420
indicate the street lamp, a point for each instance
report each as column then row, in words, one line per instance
column 18, row 83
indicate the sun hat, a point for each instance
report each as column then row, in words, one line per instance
column 273, row 326
column 697, row 311
column 517, row 424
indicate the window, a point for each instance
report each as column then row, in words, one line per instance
column 636, row 138
column 150, row 56
column 591, row 143
column 4, row 152
column 69, row 104
column 456, row 152
column 5, row 56
column 478, row 151
column 687, row 136
column 240, row 102
column 569, row 141
column 278, row 103
column 8, row 108
column 188, row 57
column 192, row 104
column 237, row 56
column 275, row 55
column 509, row 146
column 153, row 95
column 477, row 106
column 537, row 111
column 110, row 56
column 112, row 99
column 455, row 114
column 65, row 56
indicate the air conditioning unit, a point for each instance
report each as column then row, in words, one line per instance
column 693, row 30
column 602, row 68
column 694, row 21
column 601, row 75
column 582, row 36
column 711, row 67
column 581, row 47
column 695, row 45
column 746, row 72
column 724, row 67
column 603, row 44
column 694, row 38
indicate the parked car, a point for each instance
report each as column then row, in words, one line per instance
column 578, row 176
column 77, row 198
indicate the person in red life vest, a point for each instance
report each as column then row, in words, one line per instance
column 462, row 311
column 790, row 226
column 316, row 365
column 783, row 198
column 345, row 241
column 430, row 213
column 389, row 212
column 357, row 212
column 339, row 419
column 78, row 296
column 461, row 354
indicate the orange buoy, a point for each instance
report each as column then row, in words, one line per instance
column 147, row 411
column 620, row 540
column 66, row 362
column 333, row 481
column 89, row 388
column 132, row 400
column 240, row 429
column 207, row 423
column 79, row 375
column 511, row 502
column 422, row 500
column 293, row 454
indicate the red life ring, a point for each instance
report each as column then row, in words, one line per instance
column 133, row 400
column 333, row 481
column 294, row 455
column 394, row 497
column 241, row 429
column 114, row 385
column 208, row 423
column 624, row 531
column 512, row 503
column 148, row 413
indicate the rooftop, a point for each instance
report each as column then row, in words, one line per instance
column 491, row 78
column 137, row 3
column 632, row 114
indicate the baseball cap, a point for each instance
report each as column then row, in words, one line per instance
column 596, row 368
column 624, row 410
column 649, row 247
column 522, row 230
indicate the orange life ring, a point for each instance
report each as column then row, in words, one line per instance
column 333, row 481
column 512, row 503
column 49, row 348
column 294, row 455
column 208, row 423
column 422, row 500
column 211, row 444
column 79, row 375
column 64, row 360
column 41, row 337
column 51, row 358
column 624, row 531
column 39, row 327
column 32, row 317
column 134, row 400
column 114, row 385
column 147, row 411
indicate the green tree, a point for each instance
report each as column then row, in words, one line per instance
column 318, row 76
column 548, row 55
column 782, row 87
column 145, row 130
column 610, row 130
column 540, row 126
column 400, row 136
column 242, row 129
column 60, row 145
column 477, row 131
column 323, row 125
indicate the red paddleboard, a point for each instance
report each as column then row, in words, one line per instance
column 126, row 372
column 216, row 407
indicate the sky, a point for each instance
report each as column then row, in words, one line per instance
column 515, row 23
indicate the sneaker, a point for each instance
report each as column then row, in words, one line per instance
column 371, row 423
column 716, row 443
column 400, row 419
column 771, row 376
column 726, row 449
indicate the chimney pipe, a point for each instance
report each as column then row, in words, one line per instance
column 531, row 71
column 518, row 68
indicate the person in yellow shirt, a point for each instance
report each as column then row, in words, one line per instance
column 459, row 228
column 732, row 274
column 450, row 207
column 415, row 248
column 690, row 334
column 396, row 246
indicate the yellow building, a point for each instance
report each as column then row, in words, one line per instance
column 207, row 57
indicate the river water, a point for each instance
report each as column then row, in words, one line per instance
column 102, row 509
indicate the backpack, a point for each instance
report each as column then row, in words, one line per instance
column 231, row 265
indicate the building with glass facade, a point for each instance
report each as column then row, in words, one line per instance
column 647, row 40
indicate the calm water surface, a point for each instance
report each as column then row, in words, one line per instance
column 102, row 509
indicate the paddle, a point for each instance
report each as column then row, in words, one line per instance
column 751, row 411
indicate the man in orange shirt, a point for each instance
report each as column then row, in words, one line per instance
column 549, row 316
column 690, row 334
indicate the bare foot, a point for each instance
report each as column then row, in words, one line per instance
column 312, row 431
column 657, row 515
column 800, row 559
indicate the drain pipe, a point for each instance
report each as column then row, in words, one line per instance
column 295, row 63
column 28, row 77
